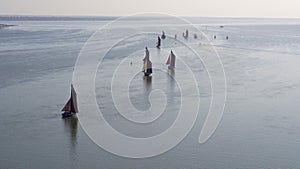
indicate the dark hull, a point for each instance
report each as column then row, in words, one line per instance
column 171, row 67
column 149, row 71
column 67, row 114
column 147, row 74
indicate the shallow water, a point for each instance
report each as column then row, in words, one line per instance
column 260, row 125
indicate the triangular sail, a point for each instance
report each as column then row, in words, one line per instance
column 158, row 42
column 74, row 100
column 147, row 67
column 71, row 105
column 67, row 107
column 147, row 54
column 172, row 60
column 169, row 60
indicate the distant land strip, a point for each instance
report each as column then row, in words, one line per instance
column 4, row 25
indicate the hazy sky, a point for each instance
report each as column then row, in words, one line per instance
column 212, row 8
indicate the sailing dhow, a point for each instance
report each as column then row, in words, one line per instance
column 171, row 61
column 147, row 68
column 163, row 36
column 158, row 43
column 70, row 108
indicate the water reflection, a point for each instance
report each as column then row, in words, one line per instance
column 71, row 125
column 171, row 71
column 147, row 90
column 171, row 81
column 147, row 84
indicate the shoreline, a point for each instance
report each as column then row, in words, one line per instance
column 4, row 25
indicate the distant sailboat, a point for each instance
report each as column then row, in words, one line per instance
column 163, row 36
column 158, row 43
column 195, row 36
column 186, row 34
column 147, row 68
column 171, row 61
column 70, row 108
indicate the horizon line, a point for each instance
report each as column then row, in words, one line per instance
column 135, row 15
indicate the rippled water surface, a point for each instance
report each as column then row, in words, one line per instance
column 260, row 126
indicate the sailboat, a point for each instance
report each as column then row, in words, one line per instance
column 70, row 108
column 186, row 34
column 163, row 36
column 147, row 68
column 158, row 43
column 171, row 61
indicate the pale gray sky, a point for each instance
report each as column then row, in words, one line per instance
column 205, row 8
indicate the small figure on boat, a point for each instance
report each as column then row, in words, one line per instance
column 147, row 67
column 226, row 37
column 171, row 61
column 158, row 43
column 163, row 36
column 70, row 108
column 215, row 37
column 175, row 36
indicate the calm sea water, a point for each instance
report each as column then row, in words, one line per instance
column 260, row 126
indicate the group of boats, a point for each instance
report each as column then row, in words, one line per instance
column 70, row 107
column 147, row 68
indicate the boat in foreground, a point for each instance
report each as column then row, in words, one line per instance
column 147, row 68
column 171, row 61
column 70, row 108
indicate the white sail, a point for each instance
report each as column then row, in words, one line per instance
column 171, row 61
